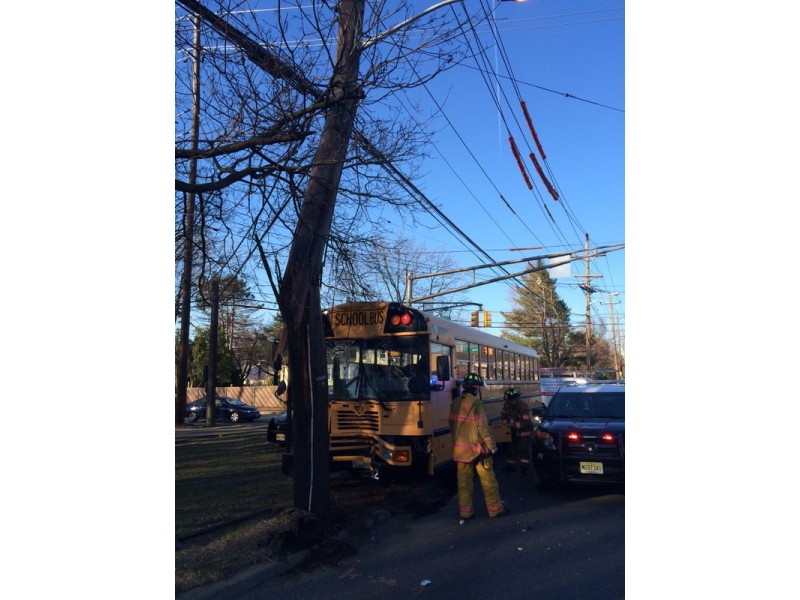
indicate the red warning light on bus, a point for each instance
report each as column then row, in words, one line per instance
column 404, row 319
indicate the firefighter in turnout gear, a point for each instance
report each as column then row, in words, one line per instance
column 517, row 416
column 473, row 446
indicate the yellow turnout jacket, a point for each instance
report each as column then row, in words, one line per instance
column 470, row 427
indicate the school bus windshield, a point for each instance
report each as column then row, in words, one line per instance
column 385, row 369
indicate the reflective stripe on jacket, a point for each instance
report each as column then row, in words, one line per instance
column 517, row 410
column 470, row 427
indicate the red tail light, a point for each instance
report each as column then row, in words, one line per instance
column 573, row 437
column 403, row 319
column 607, row 437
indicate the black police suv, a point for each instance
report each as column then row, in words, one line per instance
column 581, row 437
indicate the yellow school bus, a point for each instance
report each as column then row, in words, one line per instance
column 393, row 371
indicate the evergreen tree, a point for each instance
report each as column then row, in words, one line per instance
column 228, row 373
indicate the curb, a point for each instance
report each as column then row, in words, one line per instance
column 255, row 575
column 244, row 580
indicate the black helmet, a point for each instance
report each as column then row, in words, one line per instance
column 512, row 393
column 472, row 379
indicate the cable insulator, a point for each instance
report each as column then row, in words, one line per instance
column 519, row 162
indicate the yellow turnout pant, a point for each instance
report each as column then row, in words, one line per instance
column 491, row 491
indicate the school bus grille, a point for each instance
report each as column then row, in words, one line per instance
column 348, row 420
column 351, row 446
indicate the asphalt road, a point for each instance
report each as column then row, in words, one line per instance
column 555, row 544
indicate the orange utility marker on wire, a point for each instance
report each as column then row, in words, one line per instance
column 549, row 187
column 533, row 131
column 536, row 164
column 519, row 161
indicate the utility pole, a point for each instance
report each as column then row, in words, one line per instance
column 588, row 311
column 213, row 334
column 182, row 378
column 587, row 287
column 613, row 335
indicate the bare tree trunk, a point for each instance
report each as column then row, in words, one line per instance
column 300, row 295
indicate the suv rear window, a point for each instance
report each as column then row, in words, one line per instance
column 607, row 405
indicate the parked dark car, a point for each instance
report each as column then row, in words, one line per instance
column 225, row 409
column 278, row 428
column 581, row 437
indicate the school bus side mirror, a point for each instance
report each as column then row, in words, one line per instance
column 443, row 368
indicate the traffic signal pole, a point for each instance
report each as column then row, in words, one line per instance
column 564, row 256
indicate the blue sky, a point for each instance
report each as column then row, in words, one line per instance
column 554, row 49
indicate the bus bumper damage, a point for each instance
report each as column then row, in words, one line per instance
column 369, row 454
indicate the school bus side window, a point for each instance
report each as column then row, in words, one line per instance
column 483, row 361
column 462, row 359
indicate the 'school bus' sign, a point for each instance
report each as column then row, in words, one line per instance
column 358, row 321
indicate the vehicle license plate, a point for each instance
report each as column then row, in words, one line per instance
column 592, row 468
column 361, row 464
column 280, row 437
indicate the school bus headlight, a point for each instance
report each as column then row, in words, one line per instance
column 395, row 455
